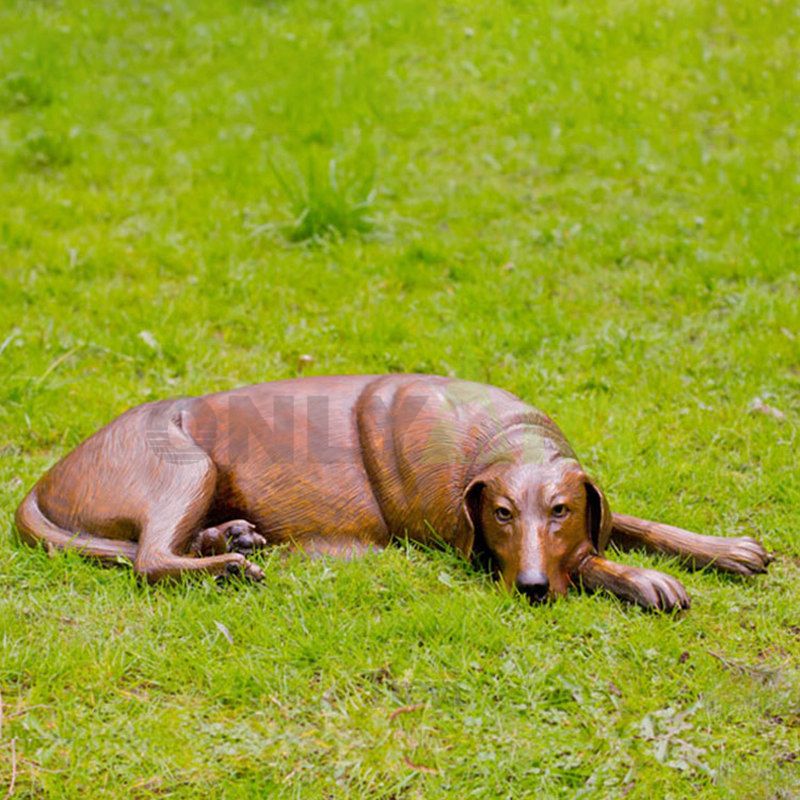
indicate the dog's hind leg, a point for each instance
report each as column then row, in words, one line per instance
column 741, row 555
column 35, row 528
column 140, row 488
column 177, row 504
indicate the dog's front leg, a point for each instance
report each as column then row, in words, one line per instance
column 741, row 555
column 647, row 587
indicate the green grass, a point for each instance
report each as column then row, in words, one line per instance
column 594, row 205
column 325, row 203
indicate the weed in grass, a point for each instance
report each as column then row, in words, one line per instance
column 20, row 90
column 43, row 149
column 331, row 197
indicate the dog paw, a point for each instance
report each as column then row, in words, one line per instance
column 253, row 572
column 209, row 542
column 242, row 538
column 244, row 569
column 742, row 556
column 657, row 591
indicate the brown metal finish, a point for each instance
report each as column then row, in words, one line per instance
column 343, row 465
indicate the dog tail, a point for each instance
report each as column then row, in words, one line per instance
column 35, row 528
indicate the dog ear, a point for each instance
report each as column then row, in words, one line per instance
column 469, row 518
column 599, row 516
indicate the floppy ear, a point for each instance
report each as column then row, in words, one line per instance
column 599, row 516
column 469, row 518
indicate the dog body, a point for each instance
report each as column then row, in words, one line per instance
column 341, row 465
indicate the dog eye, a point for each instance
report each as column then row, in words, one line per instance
column 560, row 510
column 502, row 514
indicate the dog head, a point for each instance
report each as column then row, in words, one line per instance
column 535, row 523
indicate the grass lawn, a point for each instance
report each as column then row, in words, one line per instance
column 594, row 205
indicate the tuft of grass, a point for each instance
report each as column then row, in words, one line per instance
column 21, row 90
column 332, row 197
column 43, row 149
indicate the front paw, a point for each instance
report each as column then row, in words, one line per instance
column 655, row 590
column 646, row 587
column 742, row 555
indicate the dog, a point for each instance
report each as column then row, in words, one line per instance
column 342, row 465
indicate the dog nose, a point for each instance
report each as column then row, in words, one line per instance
column 533, row 584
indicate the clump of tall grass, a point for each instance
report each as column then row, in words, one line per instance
column 43, row 149
column 20, row 90
column 332, row 197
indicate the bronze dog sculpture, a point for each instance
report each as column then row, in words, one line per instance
column 342, row 465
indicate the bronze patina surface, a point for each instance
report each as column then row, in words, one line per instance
column 342, row 465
